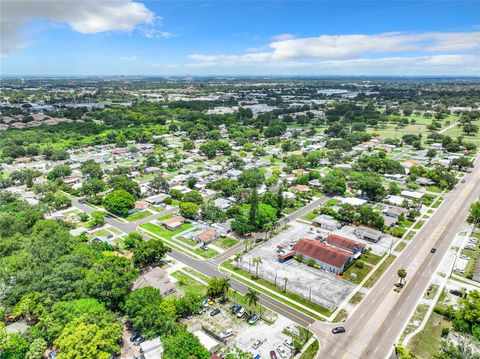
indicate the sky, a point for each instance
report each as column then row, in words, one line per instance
column 235, row 38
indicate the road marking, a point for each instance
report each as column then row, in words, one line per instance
column 285, row 311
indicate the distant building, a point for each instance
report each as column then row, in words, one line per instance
column 368, row 234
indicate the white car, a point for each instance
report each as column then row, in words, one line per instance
column 241, row 313
column 257, row 344
column 288, row 343
column 282, row 351
column 226, row 333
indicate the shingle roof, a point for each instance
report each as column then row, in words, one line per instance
column 343, row 242
column 322, row 252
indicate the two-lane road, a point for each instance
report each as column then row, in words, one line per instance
column 378, row 322
column 210, row 269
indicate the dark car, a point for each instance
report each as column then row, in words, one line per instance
column 338, row 330
column 236, row 308
column 273, row 355
column 214, row 312
column 433, row 250
column 456, row 292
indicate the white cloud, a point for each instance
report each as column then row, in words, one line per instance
column 128, row 58
column 337, row 47
column 82, row 16
column 152, row 33
column 283, row 37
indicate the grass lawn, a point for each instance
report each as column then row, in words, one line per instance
column 114, row 230
column 342, row 315
column 371, row 258
column 410, row 235
column 157, row 208
column 209, row 253
column 101, row 232
column 400, row 246
column 356, row 298
column 138, row 215
column 416, row 318
column 187, row 241
column 310, row 216
column 240, row 274
column 189, row 285
column 311, row 351
column 196, row 273
column 419, row 224
column 434, row 189
column 163, row 232
column 354, row 274
column 378, row 273
column 226, row 242
column 426, row 343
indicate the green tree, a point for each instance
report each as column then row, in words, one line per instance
column 257, row 261
column 334, row 183
column 194, row 197
column 402, row 274
column 59, row 171
column 93, row 186
column 149, row 253
column 119, row 202
column 474, row 214
column 252, row 297
column 189, row 209
column 37, row 348
column 120, row 182
column 98, row 219
column 183, row 344
column 251, row 178
column 159, row 184
column 91, row 169
column 132, row 240
column 212, row 213
column 90, row 337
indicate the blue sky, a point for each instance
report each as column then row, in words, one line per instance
column 127, row 37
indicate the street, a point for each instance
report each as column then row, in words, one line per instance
column 377, row 324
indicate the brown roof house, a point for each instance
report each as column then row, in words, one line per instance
column 207, row 236
column 174, row 223
column 156, row 278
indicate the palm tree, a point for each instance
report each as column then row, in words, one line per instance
column 402, row 274
column 252, row 297
column 225, row 286
column 238, row 258
column 257, row 261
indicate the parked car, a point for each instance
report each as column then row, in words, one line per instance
column 236, row 308
column 288, row 342
column 226, row 333
column 273, row 355
column 253, row 319
column 281, row 351
column 257, row 344
column 338, row 330
column 241, row 313
column 214, row 312
column 433, row 250
column 205, row 302
column 456, row 292
column 138, row 341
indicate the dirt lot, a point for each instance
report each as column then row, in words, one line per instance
column 244, row 334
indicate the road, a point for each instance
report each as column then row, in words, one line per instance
column 377, row 324
column 210, row 269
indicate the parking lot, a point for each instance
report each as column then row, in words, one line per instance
column 244, row 334
column 314, row 284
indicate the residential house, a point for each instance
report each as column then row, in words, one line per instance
column 368, row 234
column 222, row 203
column 157, row 278
column 174, row 223
column 327, row 222
column 207, row 236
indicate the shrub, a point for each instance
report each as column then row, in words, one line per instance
column 445, row 332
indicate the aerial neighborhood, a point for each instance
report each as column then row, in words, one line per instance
column 217, row 218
